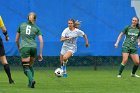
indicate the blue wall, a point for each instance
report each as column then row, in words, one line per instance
column 102, row 21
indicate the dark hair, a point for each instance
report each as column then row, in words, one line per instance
column 138, row 25
column 33, row 14
column 72, row 20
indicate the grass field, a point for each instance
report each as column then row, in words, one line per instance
column 80, row 80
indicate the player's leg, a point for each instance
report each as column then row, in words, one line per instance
column 25, row 55
column 4, row 62
column 122, row 65
column 32, row 59
column 61, row 61
column 31, row 69
column 63, row 51
column 33, row 53
column 135, row 59
column 66, row 56
column 7, row 69
column 26, row 68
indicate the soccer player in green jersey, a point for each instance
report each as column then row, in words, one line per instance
column 2, row 52
column 132, row 34
column 28, row 47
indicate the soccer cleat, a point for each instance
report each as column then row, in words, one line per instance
column 33, row 84
column 135, row 75
column 119, row 76
column 11, row 81
column 65, row 75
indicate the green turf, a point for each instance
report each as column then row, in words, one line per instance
column 80, row 80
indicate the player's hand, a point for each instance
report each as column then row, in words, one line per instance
column 87, row 45
column 116, row 45
column 69, row 38
column 138, row 44
column 6, row 38
column 40, row 58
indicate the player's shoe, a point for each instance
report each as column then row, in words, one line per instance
column 65, row 75
column 119, row 76
column 11, row 81
column 135, row 75
column 33, row 84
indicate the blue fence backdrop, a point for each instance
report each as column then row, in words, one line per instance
column 102, row 21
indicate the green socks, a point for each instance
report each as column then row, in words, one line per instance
column 32, row 70
column 135, row 67
column 121, row 69
column 28, row 73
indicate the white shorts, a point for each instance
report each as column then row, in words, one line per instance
column 65, row 50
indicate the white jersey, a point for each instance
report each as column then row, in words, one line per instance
column 70, row 45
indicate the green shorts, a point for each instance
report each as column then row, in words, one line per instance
column 128, row 50
column 28, row 52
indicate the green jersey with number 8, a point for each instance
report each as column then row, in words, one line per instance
column 28, row 33
column 131, row 37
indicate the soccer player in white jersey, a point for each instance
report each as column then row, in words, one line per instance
column 69, row 38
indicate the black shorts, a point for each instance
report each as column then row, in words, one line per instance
column 2, row 51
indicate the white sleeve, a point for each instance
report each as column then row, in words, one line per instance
column 64, row 33
column 80, row 33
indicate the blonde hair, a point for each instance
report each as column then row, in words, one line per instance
column 77, row 24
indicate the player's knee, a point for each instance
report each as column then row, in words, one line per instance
column 124, row 61
column 65, row 58
column 4, row 63
column 137, row 63
column 26, row 60
column 4, row 60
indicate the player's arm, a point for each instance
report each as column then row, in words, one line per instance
column 118, row 40
column 86, row 39
column 64, row 38
column 40, row 58
column 81, row 33
column 138, row 40
column 5, row 33
column 4, row 30
column 17, row 40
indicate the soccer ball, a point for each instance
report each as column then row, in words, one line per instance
column 58, row 72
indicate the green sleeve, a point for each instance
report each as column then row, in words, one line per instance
column 125, row 29
column 18, row 30
column 39, row 32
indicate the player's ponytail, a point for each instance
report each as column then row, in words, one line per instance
column 138, row 25
column 77, row 24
